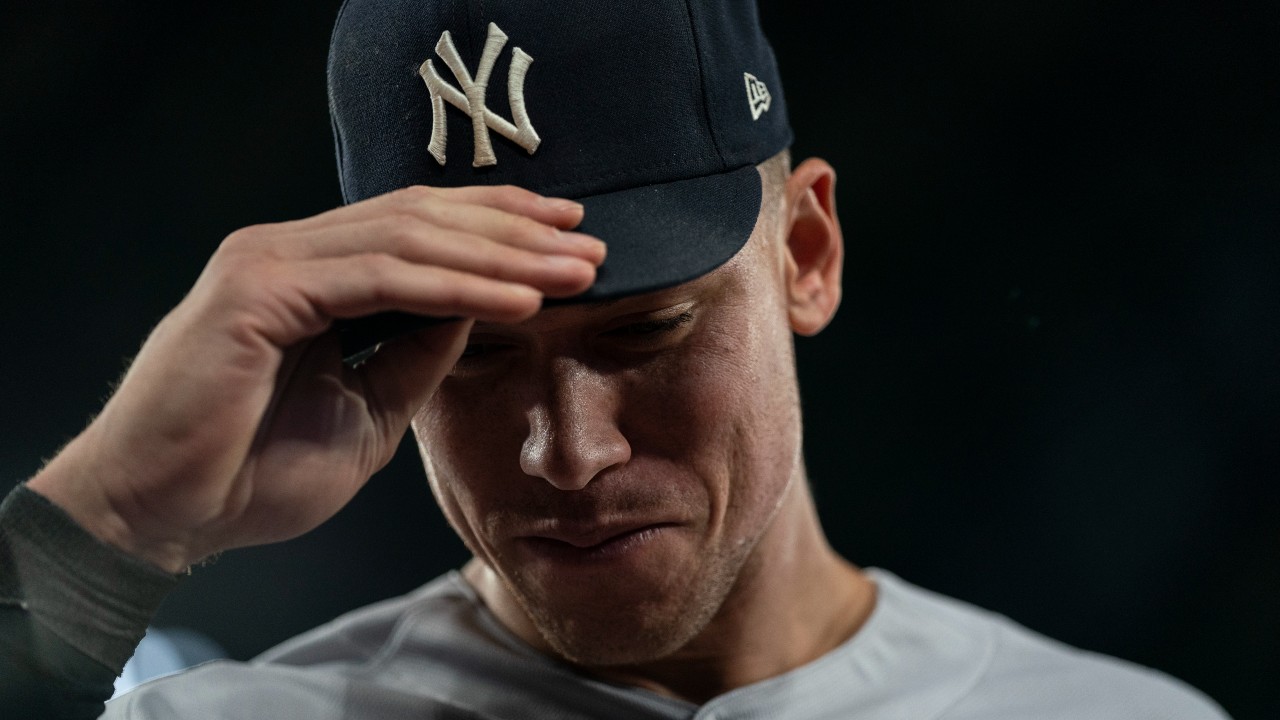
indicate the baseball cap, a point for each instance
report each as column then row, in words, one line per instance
column 651, row 114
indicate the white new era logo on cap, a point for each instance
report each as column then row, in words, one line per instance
column 757, row 96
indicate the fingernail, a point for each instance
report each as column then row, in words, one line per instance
column 522, row 289
column 583, row 240
column 561, row 204
column 568, row 262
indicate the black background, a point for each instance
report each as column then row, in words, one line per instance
column 1053, row 388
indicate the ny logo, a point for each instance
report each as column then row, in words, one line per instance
column 470, row 99
column 758, row 97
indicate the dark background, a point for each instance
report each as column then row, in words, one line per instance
column 1053, row 389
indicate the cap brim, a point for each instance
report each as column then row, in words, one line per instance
column 658, row 236
column 664, row 235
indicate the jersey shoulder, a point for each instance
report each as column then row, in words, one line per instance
column 1025, row 674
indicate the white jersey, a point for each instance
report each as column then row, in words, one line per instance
column 438, row 653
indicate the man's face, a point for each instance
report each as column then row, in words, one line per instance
column 616, row 464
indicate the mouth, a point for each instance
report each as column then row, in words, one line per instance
column 594, row 545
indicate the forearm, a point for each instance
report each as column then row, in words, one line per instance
column 72, row 610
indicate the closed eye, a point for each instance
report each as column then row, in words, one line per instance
column 653, row 327
column 645, row 336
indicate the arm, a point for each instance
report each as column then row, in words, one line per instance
column 238, row 424
column 72, row 609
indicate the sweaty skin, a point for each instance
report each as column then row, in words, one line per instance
column 628, row 474
column 238, row 424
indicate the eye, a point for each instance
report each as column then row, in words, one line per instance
column 478, row 355
column 652, row 328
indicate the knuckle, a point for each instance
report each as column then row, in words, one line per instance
column 402, row 230
column 528, row 229
column 450, row 294
column 489, row 262
column 414, row 200
column 454, row 292
column 239, row 256
column 516, row 191
column 243, row 241
column 521, row 197
column 378, row 265
column 419, row 203
column 244, row 279
column 413, row 195
column 374, row 271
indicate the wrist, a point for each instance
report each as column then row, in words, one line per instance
column 74, row 485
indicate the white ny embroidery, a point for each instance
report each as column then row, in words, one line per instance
column 758, row 97
column 470, row 99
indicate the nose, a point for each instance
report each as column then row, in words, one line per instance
column 573, row 428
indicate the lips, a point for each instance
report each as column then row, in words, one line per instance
column 601, row 542
column 591, row 536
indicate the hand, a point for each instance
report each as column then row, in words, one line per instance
column 238, row 424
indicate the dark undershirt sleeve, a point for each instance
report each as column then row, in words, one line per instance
column 72, row 610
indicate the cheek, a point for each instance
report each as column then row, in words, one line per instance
column 459, row 448
column 728, row 412
column 468, row 430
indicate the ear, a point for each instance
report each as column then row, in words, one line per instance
column 814, row 248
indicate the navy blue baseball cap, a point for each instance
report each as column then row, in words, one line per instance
column 652, row 114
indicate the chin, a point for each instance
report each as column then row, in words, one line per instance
column 619, row 640
column 610, row 630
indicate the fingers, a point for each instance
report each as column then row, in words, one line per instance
column 497, row 245
column 510, row 228
column 432, row 204
column 366, row 284
column 560, row 212
column 400, row 378
column 490, row 253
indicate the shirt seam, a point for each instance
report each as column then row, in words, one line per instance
column 993, row 644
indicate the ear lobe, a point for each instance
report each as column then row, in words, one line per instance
column 815, row 247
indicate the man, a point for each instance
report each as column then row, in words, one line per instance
column 613, row 432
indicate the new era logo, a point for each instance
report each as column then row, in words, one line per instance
column 757, row 96
column 470, row 99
